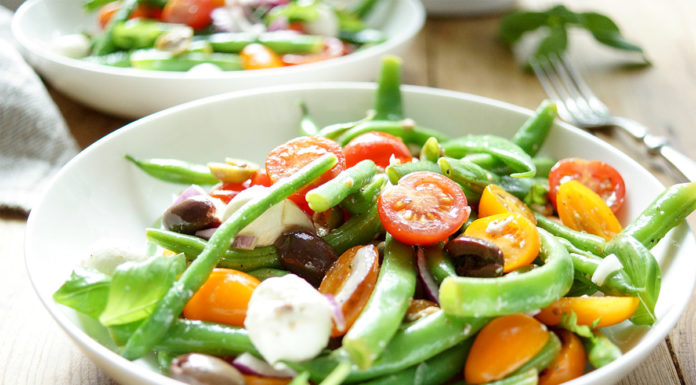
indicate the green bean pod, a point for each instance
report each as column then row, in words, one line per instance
column 431, row 150
column 666, row 211
column 300, row 379
column 280, row 43
column 405, row 129
column 513, row 293
column 533, row 132
column 141, row 33
column 582, row 240
column 170, row 306
column 543, row 165
column 158, row 60
column 267, row 272
column 347, row 182
column 439, row 263
column 433, row 371
column 500, row 148
column 544, row 357
column 398, row 171
column 104, row 43
column 238, row 259
column 175, row 171
column 388, row 96
column 307, row 125
column 365, row 198
column 385, row 309
column 358, row 230
column 467, row 173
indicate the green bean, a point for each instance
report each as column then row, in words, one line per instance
column 467, row 173
column 533, row 132
column 280, row 43
column 406, row 129
column 388, row 96
column 476, row 297
column 300, row 379
column 170, row 306
column 530, row 377
column 347, row 182
column 398, row 171
column 500, row 148
column 385, row 309
column 543, row 165
column 192, row 247
column 431, row 150
column 140, row 33
column 307, row 125
column 186, row 336
column 361, row 200
column 600, row 350
column 529, row 190
column 412, row 344
column 104, row 43
column 175, row 171
column 433, row 371
column 333, row 131
column 666, row 211
column 164, row 360
column 439, row 263
column 358, row 230
column 267, row 272
column 363, row 7
column 157, row 60
column 338, row 374
column 363, row 37
column 544, row 357
column 582, row 240
column 231, row 42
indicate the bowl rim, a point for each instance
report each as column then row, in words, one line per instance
column 630, row 359
column 416, row 8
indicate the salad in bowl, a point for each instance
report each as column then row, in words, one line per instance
column 381, row 251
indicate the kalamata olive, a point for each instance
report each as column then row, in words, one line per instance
column 190, row 215
column 306, row 255
column 474, row 257
column 202, row 369
column 328, row 220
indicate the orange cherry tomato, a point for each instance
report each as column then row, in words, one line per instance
column 194, row 13
column 107, row 11
column 289, row 157
column 514, row 234
column 609, row 310
column 423, row 208
column 570, row 362
column 226, row 191
column 223, row 298
column 582, row 209
column 260, row 178
column 257, row 57
column 259, row 380
column 598, row 176
column 495, row 200
column 332, row 48
column 502, row 346
column 351, row 295
column 378, row 147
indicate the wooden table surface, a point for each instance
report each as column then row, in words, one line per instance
column 454, row 53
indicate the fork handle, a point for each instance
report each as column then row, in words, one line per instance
column 659, row 145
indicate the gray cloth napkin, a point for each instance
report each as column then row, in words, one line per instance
column 34, row 140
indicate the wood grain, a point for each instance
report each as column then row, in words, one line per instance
column 462, row 54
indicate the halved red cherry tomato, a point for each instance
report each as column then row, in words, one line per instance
column 351, row 280
column 378, row 147
column 107, row 11
column 226, row 191
column 598, row 176
column 257, row 57
column 289, row 157
column 223, row 298
column 194, row 13
column 423, row 208
column 332, row 48
column 260, row 178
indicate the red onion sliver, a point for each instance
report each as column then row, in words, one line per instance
column 249, row 364
column 191, row 191
column 337, row 313
column 278, row 24
column 429, row 284
column 206, row 233
column 244, row 242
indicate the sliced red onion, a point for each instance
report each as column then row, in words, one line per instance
column 337, row 313
column 245, row 242
column 249, row 364
column 429, row 284
column 206, row 233
column 278, row 24
column 191, row 191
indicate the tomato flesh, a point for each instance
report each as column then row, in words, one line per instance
column 378, row 147
column 598, row 176
column 226, row 191
column 107, row 11
column 194, row 13
column 257, row 57
column 423, row 208
column 291, row 156
column 332, row 48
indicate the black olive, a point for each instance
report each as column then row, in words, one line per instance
column 474, row 257
column 202, row 369
column 306, row 255
column 190, row 215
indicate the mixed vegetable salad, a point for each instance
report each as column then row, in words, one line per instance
column 382, row 252
column 215, row 35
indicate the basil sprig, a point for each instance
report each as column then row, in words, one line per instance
column 557, row 20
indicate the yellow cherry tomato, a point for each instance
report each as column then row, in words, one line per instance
column 609, row 310
column 495, row 200
column 582, row 209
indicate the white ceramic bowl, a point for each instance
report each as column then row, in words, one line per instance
column 100, row 194
column 134, row 93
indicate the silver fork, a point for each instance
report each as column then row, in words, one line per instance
column 577, row 104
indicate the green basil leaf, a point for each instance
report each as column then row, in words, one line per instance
column 607, row 32
column 136, row 288
column 643, row 273
column 562, row 15
column 569, row 321
column 516, row 24
column 555, row 43
column 86, row 291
